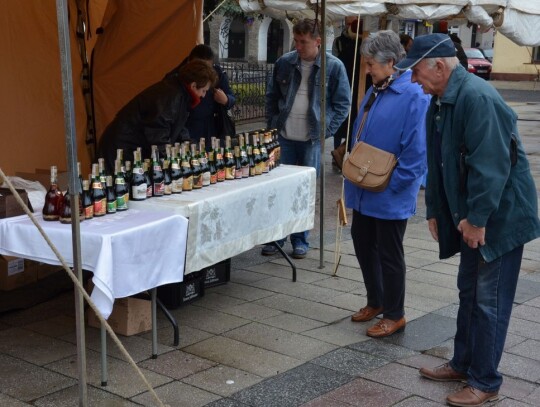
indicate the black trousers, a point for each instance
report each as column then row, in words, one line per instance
column 378, row 244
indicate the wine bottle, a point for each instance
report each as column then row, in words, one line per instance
column 102, row 174
column 176, row 173
column 187, row 173
column 88, row 202
column 203, row 161
column 98, row 192
column 251, row 162
column 257, row 155
column 147, row 165
column 237, row 163
column 220, row 164
column 111, row 196
column 212, row 167
column 277, row 148
column 128, row 173
column 53, row 198
column 230, row 164
column 264, row 153
column 80, row 192
column 158, row 181
column 196, row 168
column 167, row 181
column 120, row 188
column 65, row 212
column 244, row 162
column 138, row 180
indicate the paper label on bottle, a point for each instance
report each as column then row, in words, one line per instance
column 159, row 188
column 100, row 207
column 122, row 202
column 197, row 181
column 213, row 178
column 245, row 171
column 138, row 191
column 187, row 184
column 111, row 206
column 89, row 212
column 176, row 186
column 206, row 178
column 221, row 175
column 167, row 189
column 229, row 173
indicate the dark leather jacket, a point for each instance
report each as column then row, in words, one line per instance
column 157, row 116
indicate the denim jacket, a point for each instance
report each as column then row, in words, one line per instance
column 283, row 86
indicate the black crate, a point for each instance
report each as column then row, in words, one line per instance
column 218, row 274
column 177, row 294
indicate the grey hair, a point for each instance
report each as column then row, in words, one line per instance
column 450, row 62
column 383, row 46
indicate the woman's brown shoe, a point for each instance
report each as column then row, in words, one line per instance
column 366, row 314
column 386, row 327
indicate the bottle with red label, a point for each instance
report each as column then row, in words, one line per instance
column 53, row 198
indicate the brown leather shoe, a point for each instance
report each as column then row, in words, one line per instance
column 471, row 397
column 386, row 327
column 443, row 373
column 366, row 314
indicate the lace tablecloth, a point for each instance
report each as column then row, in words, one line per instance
column 128, row 252
column 231, row 217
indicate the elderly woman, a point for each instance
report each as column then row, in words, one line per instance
column 392, row 118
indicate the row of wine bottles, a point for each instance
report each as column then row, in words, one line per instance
column 185, row 167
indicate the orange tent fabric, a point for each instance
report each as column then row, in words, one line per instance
column 141, row 40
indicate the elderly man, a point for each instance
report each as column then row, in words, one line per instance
column 481, row 201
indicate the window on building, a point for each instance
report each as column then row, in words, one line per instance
column 536, row 54
column 237, row 39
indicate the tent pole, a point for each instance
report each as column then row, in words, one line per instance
column 71, row 147
column 323, row 132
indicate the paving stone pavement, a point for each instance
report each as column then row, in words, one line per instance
column 262, row 340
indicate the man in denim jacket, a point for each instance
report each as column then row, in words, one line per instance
column 293, row 107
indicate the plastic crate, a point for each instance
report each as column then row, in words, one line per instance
column 177, row 294
column 218, row 274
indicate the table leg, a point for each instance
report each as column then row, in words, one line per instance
column 286, row 257
column 103, row 355
column 172, row 320
column 154, row 323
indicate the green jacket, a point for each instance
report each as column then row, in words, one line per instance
column 476, row 128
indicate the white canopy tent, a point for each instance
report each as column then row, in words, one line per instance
column 519, row 20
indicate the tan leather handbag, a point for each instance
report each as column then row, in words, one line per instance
column 369, row 167
column 366, row 166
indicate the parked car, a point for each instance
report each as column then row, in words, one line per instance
column 478, row 64
column 488, row 54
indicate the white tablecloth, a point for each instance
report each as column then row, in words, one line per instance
column 231, row 217
column 128, row 252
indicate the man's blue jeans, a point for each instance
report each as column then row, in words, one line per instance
column 307, row 154
column 486, row 294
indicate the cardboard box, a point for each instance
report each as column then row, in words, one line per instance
column 13, row 273
column 8, row 204
column 130, row 316
column 177, row 294
column 218, row 274
column 45, row 270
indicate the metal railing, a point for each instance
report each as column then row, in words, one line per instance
column 248, row 83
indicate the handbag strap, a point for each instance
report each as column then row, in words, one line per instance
column 367, row 106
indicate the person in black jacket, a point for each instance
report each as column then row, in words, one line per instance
column 157, row 115
column 203, row 119
column 344, row 49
